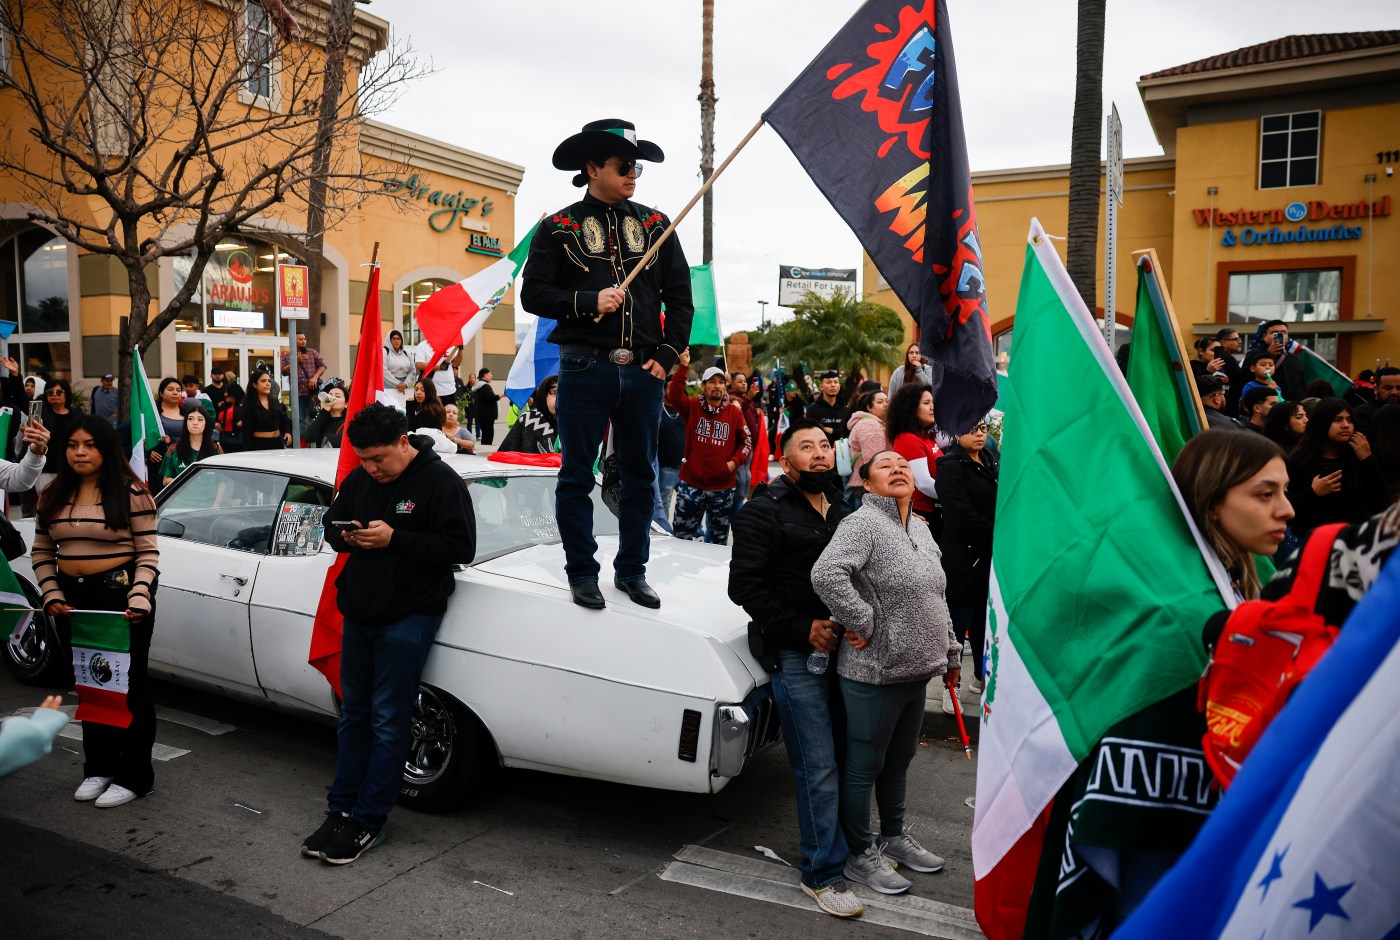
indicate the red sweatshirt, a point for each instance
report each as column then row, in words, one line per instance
column 712, row 438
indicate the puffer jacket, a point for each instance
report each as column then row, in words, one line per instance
column 867, row 439
column 885, row 584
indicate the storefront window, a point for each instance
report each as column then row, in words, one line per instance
column 1289, row 145
column 1300, row 296
column 413, row 295
column 34, row 293
column 259, row 51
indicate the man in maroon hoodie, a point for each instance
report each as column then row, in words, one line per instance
column 717, row 443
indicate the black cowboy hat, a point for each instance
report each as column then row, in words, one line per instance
column 608, row 137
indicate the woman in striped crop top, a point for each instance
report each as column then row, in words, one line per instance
column 95, row 549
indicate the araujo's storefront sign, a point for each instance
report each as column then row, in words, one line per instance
column 1316, row 210
column 452, row 205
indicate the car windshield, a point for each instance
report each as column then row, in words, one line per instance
column 515, row 512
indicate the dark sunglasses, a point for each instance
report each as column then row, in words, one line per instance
column 625, row 167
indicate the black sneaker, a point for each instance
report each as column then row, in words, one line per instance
column 319, row 839
column 350, row 842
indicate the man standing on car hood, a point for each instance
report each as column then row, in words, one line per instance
column 410, row 520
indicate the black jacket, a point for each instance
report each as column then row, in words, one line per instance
column 968, row 492
column 778, row 537
column 590, row 245
column 832, row 418
column 1363, row 491
column 430, row 511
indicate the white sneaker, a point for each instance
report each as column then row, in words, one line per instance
column 948, row 702
column 836, row 900
column 976, row 687
column 908, row 852
column 91, row 788
column 872, row 869
column 116, row 795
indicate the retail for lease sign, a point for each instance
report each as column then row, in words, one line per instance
column 1314, row 221
column 795, row 282
column 293, row 296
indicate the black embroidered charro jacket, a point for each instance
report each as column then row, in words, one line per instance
column 591, row 245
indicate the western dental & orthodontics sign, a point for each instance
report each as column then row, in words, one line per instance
column 1316, row 210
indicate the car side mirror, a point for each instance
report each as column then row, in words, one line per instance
column 176, row 530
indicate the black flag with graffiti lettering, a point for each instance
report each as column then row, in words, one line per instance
column 875, row 121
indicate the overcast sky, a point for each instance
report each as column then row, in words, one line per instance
column 516, row 78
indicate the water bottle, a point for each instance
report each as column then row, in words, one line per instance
column 817, row 662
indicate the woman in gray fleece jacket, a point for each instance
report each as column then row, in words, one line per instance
column 882, row 578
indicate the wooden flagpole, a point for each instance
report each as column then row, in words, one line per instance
column 656, row 246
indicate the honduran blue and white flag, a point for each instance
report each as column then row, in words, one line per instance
column 536, row 359
column 1306, row 842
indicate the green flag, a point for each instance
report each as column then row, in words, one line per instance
column 1100, row 583
column 704, row 329
column 1159, row 372
column 15, row 610
column 1315, row 367
column 146, row 430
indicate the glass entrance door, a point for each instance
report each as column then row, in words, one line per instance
column 243, row 358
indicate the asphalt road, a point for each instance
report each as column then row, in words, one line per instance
column 213, row 851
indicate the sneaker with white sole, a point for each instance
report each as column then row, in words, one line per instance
column 976, row 687
column 948, row 702
column 837, row 900
column 312, row 845
column 872, row 869
column 115, row 795
column 350, row 842
column 91, row 788
column 905, row 850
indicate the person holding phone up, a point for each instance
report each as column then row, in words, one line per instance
column 21, row 475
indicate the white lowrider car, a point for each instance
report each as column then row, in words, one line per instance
column 519, row 676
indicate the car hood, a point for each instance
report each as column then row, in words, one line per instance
column 692, row 579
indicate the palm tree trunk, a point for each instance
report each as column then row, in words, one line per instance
column 707, row 120
column 1084, row 160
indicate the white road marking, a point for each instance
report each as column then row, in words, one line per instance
column 73, row 731
column 763, row 881
column 493, row 887
column 248, row 808
column 197, row 722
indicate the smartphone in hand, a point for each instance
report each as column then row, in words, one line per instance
column 344, row 525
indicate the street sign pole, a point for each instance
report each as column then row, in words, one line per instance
column 1113, row 181
column 293, row 303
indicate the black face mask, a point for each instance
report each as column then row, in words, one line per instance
column 816, row 481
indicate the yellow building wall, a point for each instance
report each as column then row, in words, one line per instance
column 1226, row 156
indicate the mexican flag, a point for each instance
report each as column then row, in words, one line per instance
column 1159, row 372
column 15, row 610
column 704, row 328
column 455, row 314
column 1315, row 367
column 146, row 431
column 101, row 664
column 1100, row 584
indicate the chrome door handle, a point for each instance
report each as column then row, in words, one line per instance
column 235, row 579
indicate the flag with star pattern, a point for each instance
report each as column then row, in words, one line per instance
column 1307, row 841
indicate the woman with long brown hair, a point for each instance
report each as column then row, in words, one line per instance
column 914, row 370
column 95, row 549
column 1235, row 484
column 266, row 424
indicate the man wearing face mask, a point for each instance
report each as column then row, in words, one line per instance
column 778, row 536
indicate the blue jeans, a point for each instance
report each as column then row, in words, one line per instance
column 743, row 478
column 669, row 477
column 380, row 665
column 660, row 510
column 805, row 709
column 591, row 393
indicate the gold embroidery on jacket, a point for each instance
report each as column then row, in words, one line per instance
column 632, row 235
column 592, row 235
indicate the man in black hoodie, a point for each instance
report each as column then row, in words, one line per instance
column 410, row 520
column 778, row 536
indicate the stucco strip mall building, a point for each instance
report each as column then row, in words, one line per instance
column 1275, row 199
column 446, row 213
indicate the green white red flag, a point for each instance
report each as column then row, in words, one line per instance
column 455, row 314
column 101, row 665
column 1315, row 367
column 146, row 430
column 1100, row 583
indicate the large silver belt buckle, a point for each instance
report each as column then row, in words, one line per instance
column 621, row 357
